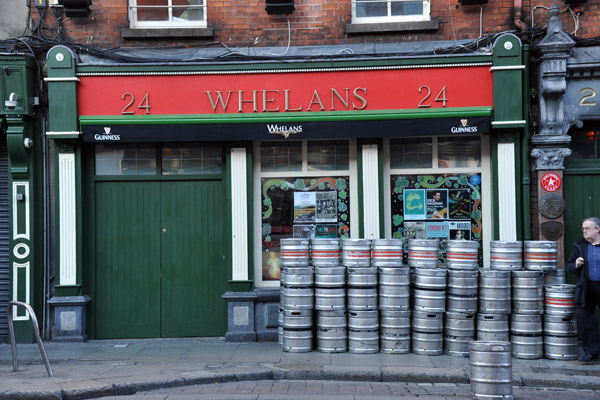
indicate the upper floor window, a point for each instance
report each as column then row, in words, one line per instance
column 167, row 13
column 378, row 11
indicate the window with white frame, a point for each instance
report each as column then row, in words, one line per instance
column 379, row 11
column 302, row 189
column 167, row 13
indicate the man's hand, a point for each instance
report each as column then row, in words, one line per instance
column 579, row 262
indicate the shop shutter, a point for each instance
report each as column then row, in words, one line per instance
column 4, row 293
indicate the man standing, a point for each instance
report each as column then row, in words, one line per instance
column 584, row 261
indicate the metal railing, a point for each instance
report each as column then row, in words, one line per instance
column 36, row 331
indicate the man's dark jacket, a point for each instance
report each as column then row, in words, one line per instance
column 580, row 249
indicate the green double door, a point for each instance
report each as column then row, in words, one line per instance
column 160, row 259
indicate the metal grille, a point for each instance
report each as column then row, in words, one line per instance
column 566, row 371
column 4, row 292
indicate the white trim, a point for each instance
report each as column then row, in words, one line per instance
column 15, row 297
column 66, row 79
column 16, row 233
column 506, row 192
column 392, row 18
column 67, row 219
column 521, row 122
column 239, row 215
column 508, row 68
column 370, row 177
column 77, row 133
column 21, row 246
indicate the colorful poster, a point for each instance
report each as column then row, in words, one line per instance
column 326, row 206
column 414, row 230
column 414, row 204
column 459, row 203
column 326, row 231
column 304, row 231
column 437, row 204
column 460, row 230
column 437, row 230
column 304, row 206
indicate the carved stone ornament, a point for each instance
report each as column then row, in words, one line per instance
column 550, row 158
column 551, row 205
column 552, row 230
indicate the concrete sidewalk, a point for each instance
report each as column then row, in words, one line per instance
column 120, row 367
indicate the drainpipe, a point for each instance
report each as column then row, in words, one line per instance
column 517, row 18
column 526, row 178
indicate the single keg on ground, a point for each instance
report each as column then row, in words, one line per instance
column 423, row 253
column 462, row 291
column 394, row 288
column 325, row 252
column 526, row 336
column 332, row 331
column 527, row 292
column 363, row 331
column 490, row 371
column 428, row 333
column 506, row 255
column 297, row 331
column 386, row 253
column 541, row 255
column 560, row 337
column 462, row 254
column 494, row 292
column 394, row 331
column 459, row 331
column 356, row 252
column 362, row 288
column 492, row 327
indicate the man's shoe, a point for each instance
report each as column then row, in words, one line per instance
column 588, row 358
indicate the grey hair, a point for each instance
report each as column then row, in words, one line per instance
column 595, row 220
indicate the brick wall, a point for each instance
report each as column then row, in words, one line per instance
column 317, row 22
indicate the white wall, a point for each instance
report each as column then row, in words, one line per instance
column 13, row 18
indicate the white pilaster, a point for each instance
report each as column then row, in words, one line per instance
column 507, row 192
column 67, row 219
column 239, row 215
column 370, row 172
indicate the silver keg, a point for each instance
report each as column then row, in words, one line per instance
column 362, row 276
column 294, row 252
column 394, row 329
column 492, row 327
column 526, row 336
column 428, row 333
column 462, row 292
column 554, row 277
column 560, row 337
column 386, row 253
column 429, row 300
column 490, row 371
column 459, row 331
column 363, row 331
column 297, row 331
column 430, row 278
column 494, row 292
column 423, row 253
column 394, row 288
column 462, row 254
column 325, row 252
column 541, row 255
column 280, row 327
column 527, row 292
column 330, row 299
column 506, row 255
column 330, row 276
column 332, row 331
column 560, row 299
column 356, row 252
column 298, row 288
column 362, row 288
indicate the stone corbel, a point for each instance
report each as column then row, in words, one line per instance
column 17, row 151
column 550, row 158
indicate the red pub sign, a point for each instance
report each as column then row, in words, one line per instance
column 299, row 91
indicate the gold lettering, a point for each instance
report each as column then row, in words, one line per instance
column 359, row 97
column 224, row 103
column 267, row 100
column 287, row 102
column 334, row 94
column 317, row 101
column 242, row 101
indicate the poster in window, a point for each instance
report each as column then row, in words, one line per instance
column 305, row 207
column 414, row 230
column 326, row 206
column 414, row 204
column 326, row 231
column 437, row 203
column 460, row 230
column 437, row 230
column 306, row 231
column 459, row 203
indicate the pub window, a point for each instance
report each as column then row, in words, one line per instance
column 304, row 189
column 125, row 159
column 192, row 159
column 585, row 143
column 167, row 13
column 379, row 11
column 411, row 153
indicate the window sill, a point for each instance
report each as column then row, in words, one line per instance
column 159, row 33
column 393, row 27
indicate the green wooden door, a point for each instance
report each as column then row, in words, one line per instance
column 582, row 199
column 160, row 259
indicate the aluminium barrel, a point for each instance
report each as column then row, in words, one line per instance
column 386, row 252
column 506, row 255
column 462, row 254
column 325, row 252
column 490, row 370
column 541, row 255
column 423, row 253
column 356, row 252
column 294, row 252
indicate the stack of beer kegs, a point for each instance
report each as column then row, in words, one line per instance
column 330, row 296
column 297, row 301
column 462, row 296
column 494, row 305
column 394, row 295
column 527, row 311
column 560, row 326
column 361, row 297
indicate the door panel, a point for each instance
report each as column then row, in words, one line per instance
column 193, row 250
column 582, row 199
column 127, row 302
